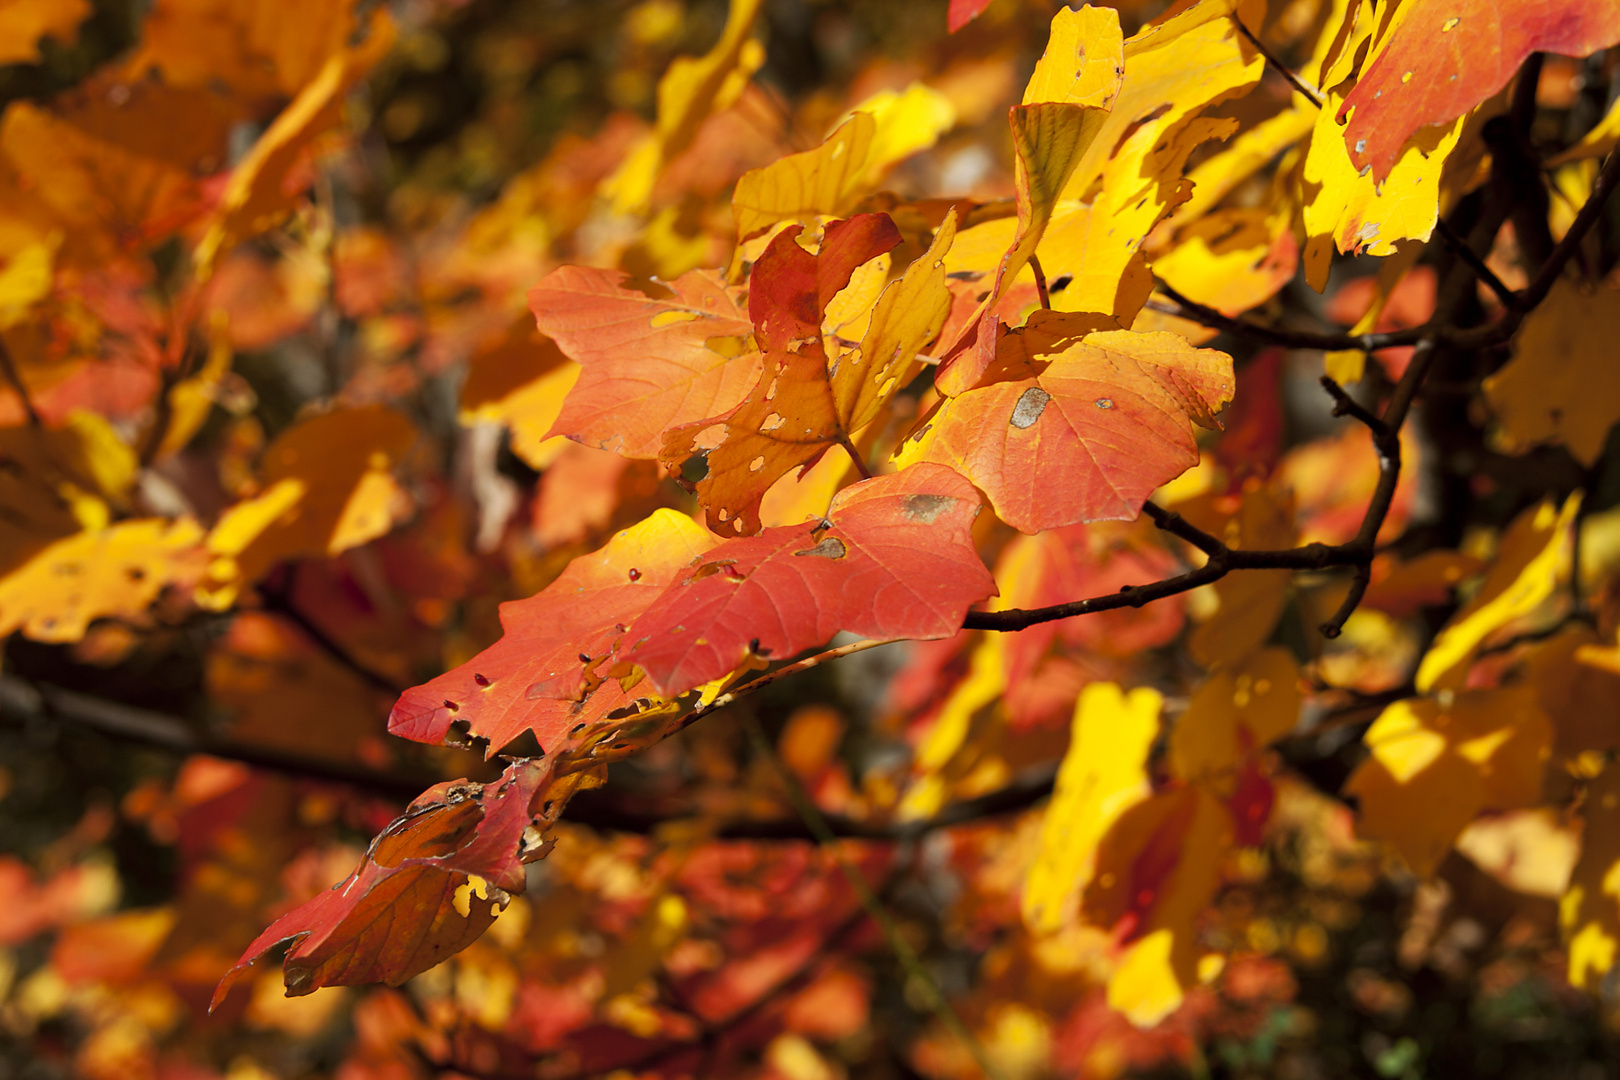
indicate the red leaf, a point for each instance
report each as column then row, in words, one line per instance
column 963, row 12
column 650, row 362
column 895, row 559
column 534, row 677
column 1086, row 434
column 1447, row 56
column 399, row 914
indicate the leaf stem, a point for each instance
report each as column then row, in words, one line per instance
column 1310, row 92
column 1040, row 281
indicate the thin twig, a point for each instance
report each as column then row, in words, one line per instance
column 1173, row 523
column 1040, row 281
column 1345, row 405
column 8, row 369
column 903, row 951
column 1288, row 338
column 1310, row 92
column 281, row 602
column 855, row 456
column 1459, row 247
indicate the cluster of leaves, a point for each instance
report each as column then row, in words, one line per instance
column 935, row 587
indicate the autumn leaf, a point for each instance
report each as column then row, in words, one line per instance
column 816, row 390
column 1436, row 765
column 430, row 884
column 1236, row 712
column 328, row 485
column 1085, row 434
column 1103, row 774
column 1589, row 911
column 1559, row 387
column 1532, row 557
column 894, row 559
column 117, row 571
column 24, row 22
column 650, row 360
column 1440, row 58
column 548, row 673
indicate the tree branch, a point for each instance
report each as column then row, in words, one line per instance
column 1310, row 92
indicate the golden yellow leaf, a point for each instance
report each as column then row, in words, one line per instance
column 256, row 197
column 830, row 179
column 192, row 399
column 1157, row 870
column 1352, row 212
column 1083, row 62
column 1533, row 557
column 1589, row 912
column 1562, row 385
column 1235, row 712
column 1529, row 851
column 692, row 89
column 1435, row 765
column 24, row 22
column 1103, row 774
column 328, row 487
column 1220, row 173
column 114, row 572
column 1577, row 680
column 24, row 282
column 520, row 381
column 1597, row 143
column 1232, row 259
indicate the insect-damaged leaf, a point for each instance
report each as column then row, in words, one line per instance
column 649, row 362
column 1444, row 57
column 546, row 674
column 413, row 900
column 816, row 389
column 893, row 559
column 1085, row 434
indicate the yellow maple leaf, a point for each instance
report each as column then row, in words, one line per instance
column 1561, row 385
column 1589, row 911
column 112, row 572
column 1104, row 773
column 1437, row 764
column 24, row 22
column 1534, row 555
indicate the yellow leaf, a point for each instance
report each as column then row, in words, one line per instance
column 256, row 196
column 1589, row 912
column 834, row 176
column 1435, row 766
column 520, row 382
column 1529, row 851
column 1533, row 556
column 1352, row 212
column 24, row 22
column 1562, row 385
column 1232, row 259
column 329, row 487
column 1577, row 680
column 818, row 181
column 1236, row 712
column 1157, row 869
column 1218, row 175
column 107, row 573
column 692, row 89
column 24, row 282
column 1083, row 62
column 1597, row 143
column 192, row 399
column 1103, row 773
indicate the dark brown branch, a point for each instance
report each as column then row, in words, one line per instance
column 22, row 700
column 8, row 369
column 1345, row 405
column 1176, row 525
column 1287, row 338
column 1310, row 92
column 1459, row 247
column 280, row 602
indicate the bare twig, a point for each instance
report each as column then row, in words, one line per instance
column 1288, row 338
column 1459, row 247
column 1040, row 281
column 8, row 369
column 1310, row 92
column 1345, row 405
column 281, row 602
